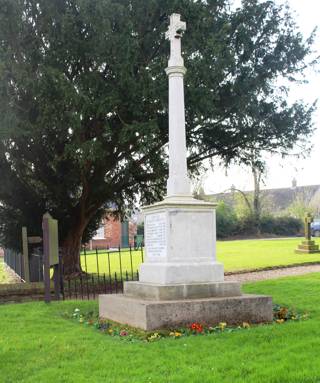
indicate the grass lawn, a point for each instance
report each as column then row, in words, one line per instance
column 38, row 345
column 235, row 255
column 255, row 254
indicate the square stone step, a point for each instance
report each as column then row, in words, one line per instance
column 152, row 315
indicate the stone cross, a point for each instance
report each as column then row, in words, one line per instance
column 178, row 183
column 174, row 35
column 308, row 219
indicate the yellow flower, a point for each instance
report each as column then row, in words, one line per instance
column 171, row 334
column 222, row 325
column 279, row 321
column 154, row 336
column 176, row 334
column 245, row 325
column 110, row 331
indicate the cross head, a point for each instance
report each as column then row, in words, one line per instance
column 176, row 27
column 308, row 219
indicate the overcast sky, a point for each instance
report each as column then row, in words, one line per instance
column 281, row 172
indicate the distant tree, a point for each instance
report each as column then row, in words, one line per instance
column 300, row 206
column 83, row 102
column 198, row 188
column 227, row 220
column 254, row 204
column 242, row 202
column 257, row 169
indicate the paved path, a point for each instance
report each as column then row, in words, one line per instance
column 272, row 274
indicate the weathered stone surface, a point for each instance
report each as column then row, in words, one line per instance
column 22, row 288
column 22, row 292
column 183, row 247
column 181, row 291
column 21, row 298
column 152, row 315
column 309, row 242
column 308, row 247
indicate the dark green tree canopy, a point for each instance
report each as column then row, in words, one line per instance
column 83, row 101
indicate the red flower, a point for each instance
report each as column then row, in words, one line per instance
column 197, row 327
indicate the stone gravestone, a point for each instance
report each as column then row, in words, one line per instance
column 181, row 281
column 307, row 246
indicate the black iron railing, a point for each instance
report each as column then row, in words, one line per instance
column 103, row 270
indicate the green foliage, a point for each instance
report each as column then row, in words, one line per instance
column 300, row 207
column 243, row 204
column 246, row 226
column 226, row 220
column 281, row 225
column 240, row 221
column 83, row 102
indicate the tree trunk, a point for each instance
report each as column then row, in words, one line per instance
column 71, row 248
column 256, row 198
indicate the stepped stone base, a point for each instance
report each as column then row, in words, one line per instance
column 152, row 307
column 308, row 247
column 181, row 291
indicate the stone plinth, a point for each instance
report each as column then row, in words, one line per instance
column 308, row 247
column 151, row 314
column 180, row 242
column 180, row 280
column 181, row 291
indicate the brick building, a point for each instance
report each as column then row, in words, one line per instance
column 113, row 233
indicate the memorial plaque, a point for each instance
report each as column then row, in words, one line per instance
column 156, row 243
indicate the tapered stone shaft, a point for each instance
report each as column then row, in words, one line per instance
column 178, row 182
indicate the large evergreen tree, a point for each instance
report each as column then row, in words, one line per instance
column 83, row 102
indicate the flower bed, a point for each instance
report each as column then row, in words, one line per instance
column 281, row 315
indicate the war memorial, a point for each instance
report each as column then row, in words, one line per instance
column 180, row 280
